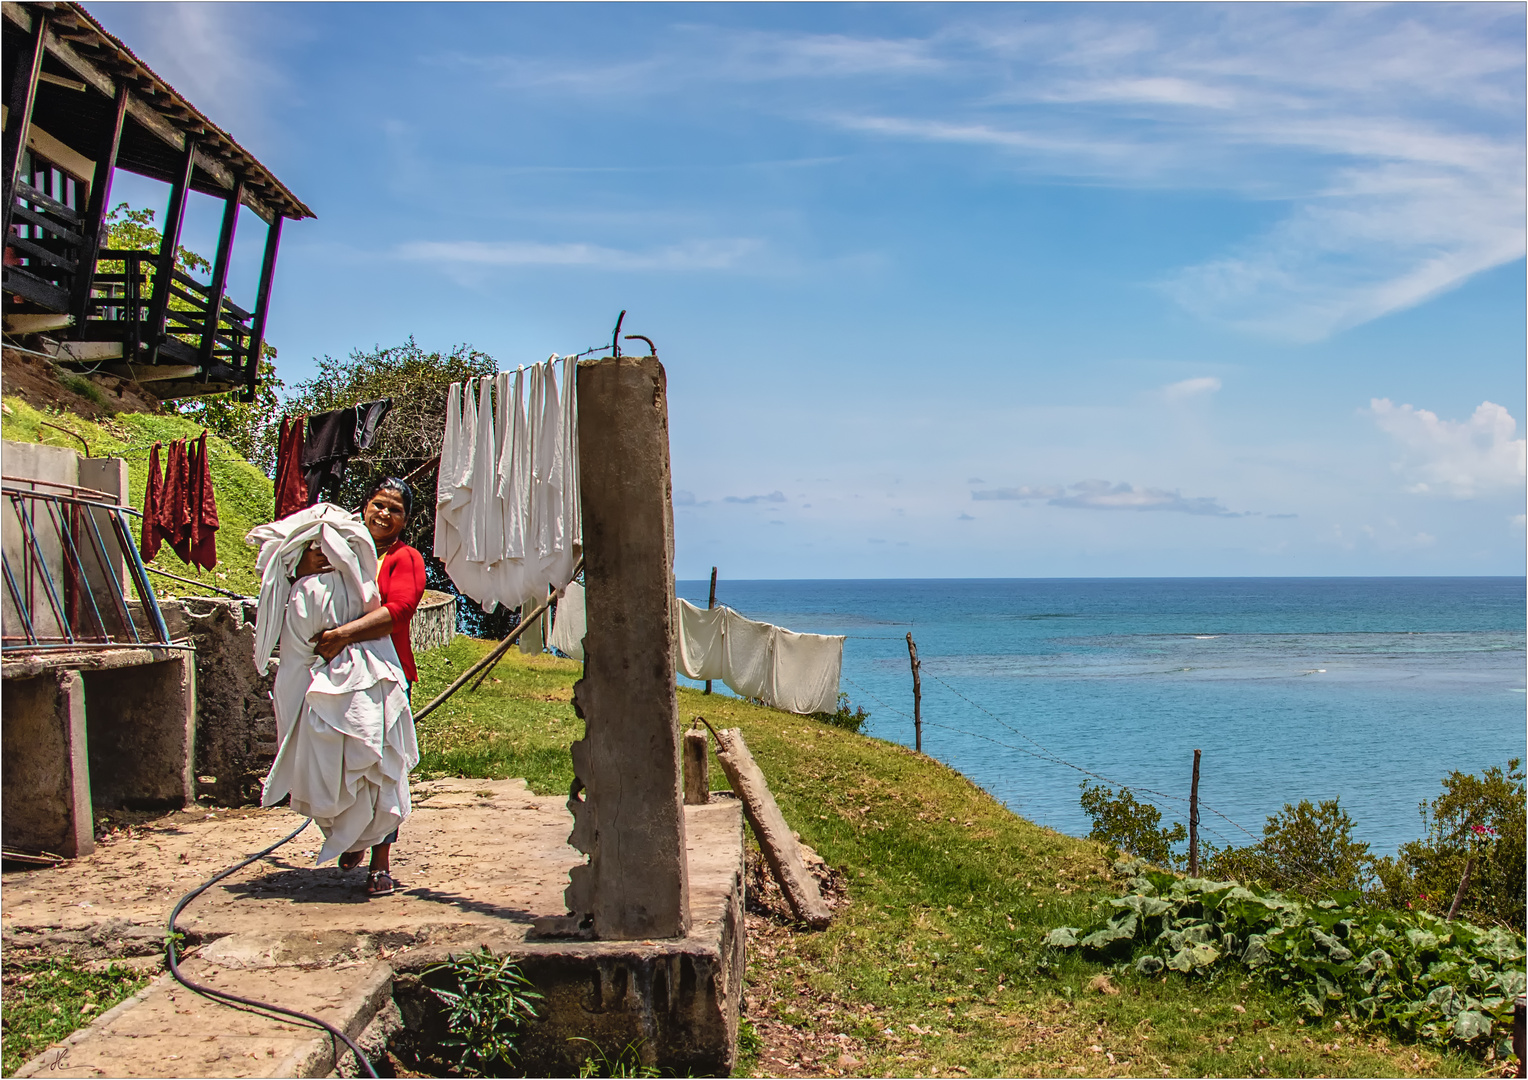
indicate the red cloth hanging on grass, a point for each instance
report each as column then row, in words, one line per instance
column 201, row 508
column 174, row 519
column 291, row 488
column 153, row 499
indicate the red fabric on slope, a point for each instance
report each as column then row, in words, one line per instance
column 153, row 496
column 202, row 508
column 291, row 488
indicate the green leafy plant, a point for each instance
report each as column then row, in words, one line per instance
column 489, row 1000
column 1124, row 822
column 1445, row 983
column 628, row 1062
column 850, row 719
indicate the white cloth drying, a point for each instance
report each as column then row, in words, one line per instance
column 571, row 622
column 507, row 522
column 345, row 729
column 795, row 672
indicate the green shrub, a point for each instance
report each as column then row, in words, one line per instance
column 1480, row 817
column 489, row 1000
column 1306, row 848
column 1129, row 825
column 850, row 720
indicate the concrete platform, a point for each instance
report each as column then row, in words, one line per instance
column 478, row 861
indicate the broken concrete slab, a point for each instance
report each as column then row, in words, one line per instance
column 775, row 837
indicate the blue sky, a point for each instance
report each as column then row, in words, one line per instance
column 942, row 291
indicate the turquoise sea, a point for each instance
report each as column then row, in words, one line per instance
column 1370, row 689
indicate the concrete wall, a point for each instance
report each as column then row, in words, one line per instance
column 44, row 775
column 434, row 623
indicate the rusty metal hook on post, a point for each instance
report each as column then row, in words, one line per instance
column 615, row 338
column 66, row 431
column 652, row 350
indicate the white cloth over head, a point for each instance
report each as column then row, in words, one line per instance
column 344, row 727
column 795, row 672
column 507, row 520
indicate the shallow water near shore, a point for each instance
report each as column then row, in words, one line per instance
column 1370, row 689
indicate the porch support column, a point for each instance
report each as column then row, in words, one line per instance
column 164, row 270
column 262, row 306
column 95, row 217
column 22, row 93
column 627, row 798
column 220, row 272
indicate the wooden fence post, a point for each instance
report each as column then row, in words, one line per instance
column 1193, row 821
column 912, row 655
column 711, row 603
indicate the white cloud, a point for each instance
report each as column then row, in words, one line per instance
column 1461, row 458
column 1102, row 495
column 695, row 255
column 1191, row 388
column 772, row 497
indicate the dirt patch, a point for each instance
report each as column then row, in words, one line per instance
column 43, row 385
column 803, row 1033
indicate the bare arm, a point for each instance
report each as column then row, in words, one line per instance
column 369, row 627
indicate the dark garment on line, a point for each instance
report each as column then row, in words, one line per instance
column 171, row 518
column 202, row 508
column 291, row 489
column 153, row 495
column 333, row 439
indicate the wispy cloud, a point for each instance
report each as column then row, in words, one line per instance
column 1191, row 388
column 772, row 497
column 1102, row 495
column 695, row 255
column 1461, row 458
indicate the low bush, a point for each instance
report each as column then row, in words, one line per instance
column 846, row 718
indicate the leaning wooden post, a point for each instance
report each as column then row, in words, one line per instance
column 1464, row 887
column 1193, row 821
column 912, row 654
column 711, row 603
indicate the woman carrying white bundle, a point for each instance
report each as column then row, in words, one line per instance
column 344, row 727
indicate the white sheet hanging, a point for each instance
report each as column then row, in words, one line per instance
column 508, row 525
column 571, row 622
column 796, row 672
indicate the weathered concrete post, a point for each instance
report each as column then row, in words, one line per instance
column 697, row 768
column 627, row 802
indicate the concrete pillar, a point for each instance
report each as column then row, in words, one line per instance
column 46, row 774
column 627, row 802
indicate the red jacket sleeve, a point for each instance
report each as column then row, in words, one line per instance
column 403, row 585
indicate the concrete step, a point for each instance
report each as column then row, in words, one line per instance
column 166, row 1030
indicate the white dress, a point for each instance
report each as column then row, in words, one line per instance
column 345, row 730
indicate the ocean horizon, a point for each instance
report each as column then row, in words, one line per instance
column 1366, row 689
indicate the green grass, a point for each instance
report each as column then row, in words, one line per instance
column 243, row 492
column 45, row 1000
column 951, row 895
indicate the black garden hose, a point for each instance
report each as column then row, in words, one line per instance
column 169, row 947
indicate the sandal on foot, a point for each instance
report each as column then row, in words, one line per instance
column 379, row 883
column 351, row 859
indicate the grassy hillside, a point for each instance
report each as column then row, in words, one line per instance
column 244, row 493
column 936, row 964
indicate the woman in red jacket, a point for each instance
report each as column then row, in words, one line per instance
column 400, row 580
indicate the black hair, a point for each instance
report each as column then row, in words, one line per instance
column 392, row 483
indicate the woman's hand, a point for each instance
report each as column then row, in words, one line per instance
column 329, row 643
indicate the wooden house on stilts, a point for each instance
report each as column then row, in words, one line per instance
column 78, row 105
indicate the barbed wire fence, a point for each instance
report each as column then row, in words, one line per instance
column 1273, row 861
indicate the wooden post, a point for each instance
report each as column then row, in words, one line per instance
column 262, row 307
column 1193, row 821
column 96, row 233
column 164, row 269
column 1464, row 887
column 23, row 92
column 219, row 284
column 711, row 603
column 912, row 655
column 697, row 768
